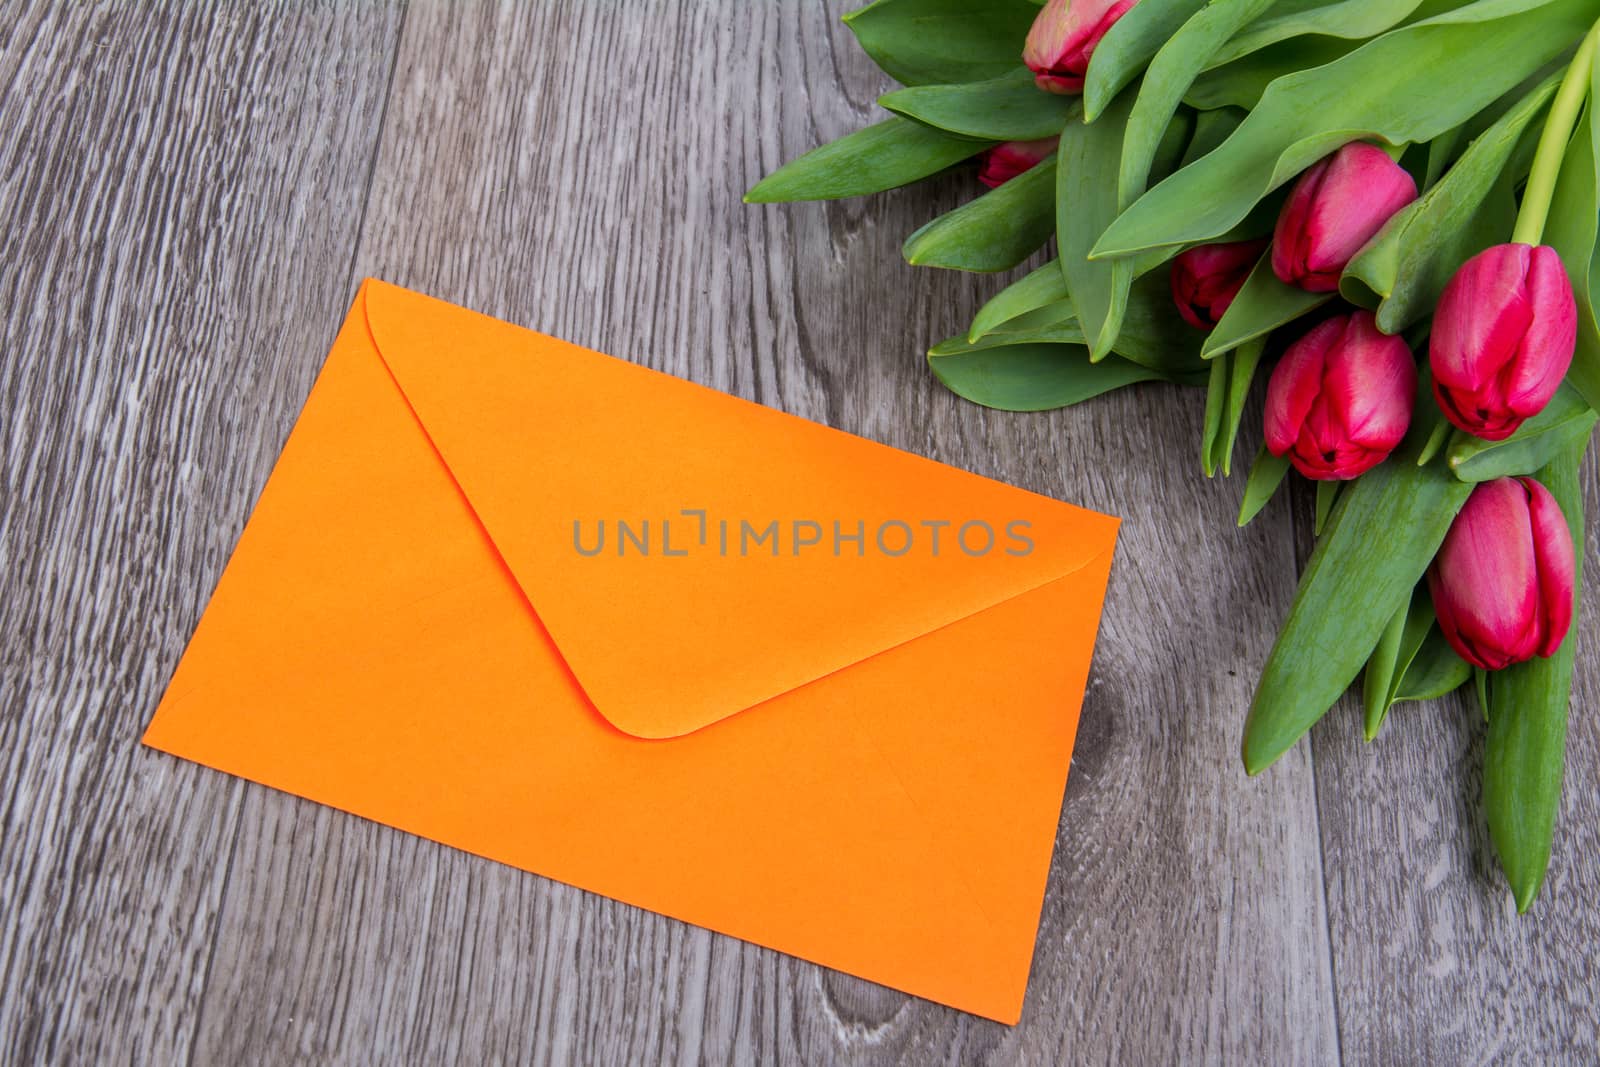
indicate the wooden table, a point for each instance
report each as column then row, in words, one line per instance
column 189, row 194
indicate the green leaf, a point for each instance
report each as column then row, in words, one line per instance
column 1169, row 76
column 1035, row 377
column 996, row 231
column 1051, row 324
column 883, row 156
column 1571, row 230
column 1403, row 270
column 1409, row 85
column 1153, row 334
column 1348, row 594
column 1008, row 108
column 1327, row 493
column 1266, row 474
column 1434, row 671
column 1526, row 744
column 1565, row 421
column 1244, row 81
column 1413, row 661
column 1262, row 305
column 1211, row 128
column 1128, row 47
column 1299, row 18
column 923, row 42
column 1377, row 680
column 1231, row 377
column 1035, row 290
column 1086, row 202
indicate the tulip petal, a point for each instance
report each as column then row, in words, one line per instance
column 1361, row 190
column 1546, row 348
column 1556, row 562
column 1487, row 581
column 1481, row 319
column 1371, row 380
column 1289, row 234
column 1295, row 383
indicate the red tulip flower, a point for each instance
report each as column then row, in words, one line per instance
column 1064, row 36
column 1503, row 336
column 1502, row 581
column 1340, row 400
column 1335, row 208
column 1004, row 162
column 1207, row 278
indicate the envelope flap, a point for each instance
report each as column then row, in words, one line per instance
column 693, row 554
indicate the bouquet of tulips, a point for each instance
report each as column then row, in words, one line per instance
column 1387, row 206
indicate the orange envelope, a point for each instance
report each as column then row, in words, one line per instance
column 808, row 690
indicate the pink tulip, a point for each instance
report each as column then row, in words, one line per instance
column 1335, row 208
column 1502, row 340
column 1340, row 400
column 1502, row 581
column 1207, row 278
column 1004, row 162
column 1064, row 36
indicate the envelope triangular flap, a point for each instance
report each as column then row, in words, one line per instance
column 551, row 443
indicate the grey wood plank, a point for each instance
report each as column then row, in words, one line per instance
column 1433, row 964
column 576, row 167
column 181, row 187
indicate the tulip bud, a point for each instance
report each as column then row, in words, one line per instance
column 1335, row 208
column 1205, row 279
column 1503, row 336
column 1064, row 36
column 1340, row 399
column 1004, row 162
column 1502, row 581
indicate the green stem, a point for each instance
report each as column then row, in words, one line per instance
column 1553, row 142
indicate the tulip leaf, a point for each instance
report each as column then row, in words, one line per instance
column 1033, row 377
column 1034, row 290
column 1128, row 47
column 1008, row 108
column 936, row 42
column 1211, row 128
column 1231, row 378
column 1377, row 679
column 1301, row 18
column 1153, row 336
column 996, row 231
column 1403, row 270
column 1152, row 333
column 1348, row 594
column 1327, row 495
column 1086, row 202
column 1409, row 85
column 1242, row 82
column 1266, row 474
column 1434, row 671
column 1262, row 305
column 883, row 156
column 1526, row 743
column 1567, row 419
column 1168, row 77
column 1413, row 661
column 1051, row 324
column 1571, row 231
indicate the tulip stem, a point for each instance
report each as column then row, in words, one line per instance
column 1553, row 142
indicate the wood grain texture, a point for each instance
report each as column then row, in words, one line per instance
column 200, row 187
column 181, row 187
